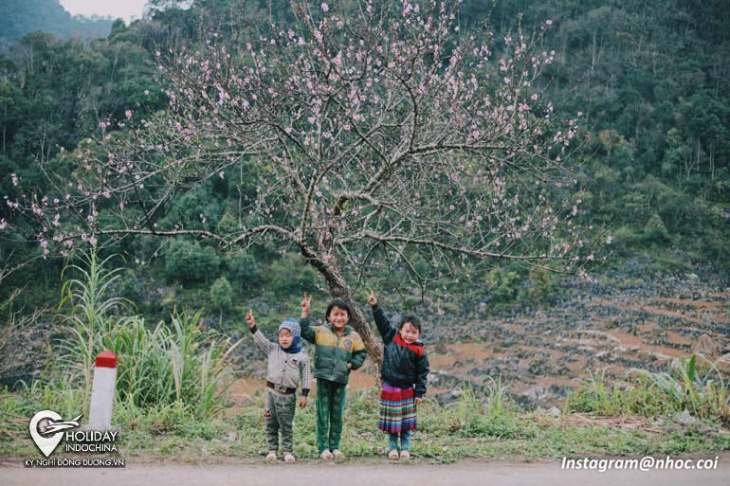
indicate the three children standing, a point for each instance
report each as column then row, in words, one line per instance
column 339, row 349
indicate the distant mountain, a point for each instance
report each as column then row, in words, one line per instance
column 19, row 17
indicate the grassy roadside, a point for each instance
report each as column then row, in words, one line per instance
column 172, row 400
column 462, row 430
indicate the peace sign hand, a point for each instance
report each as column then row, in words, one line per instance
column 306, row 305
column 372, row 300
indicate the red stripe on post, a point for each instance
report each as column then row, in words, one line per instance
column 107, row 359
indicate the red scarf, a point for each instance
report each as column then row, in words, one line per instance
column 416, row 348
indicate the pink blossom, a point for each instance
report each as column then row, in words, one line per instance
column 325, row 8
column 128, row 114
column 3, row 224
column 93, row 240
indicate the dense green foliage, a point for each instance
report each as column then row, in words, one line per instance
column 21, row 17
column 650, row 78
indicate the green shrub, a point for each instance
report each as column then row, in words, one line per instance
column 655, row 231
column 172, row 365
column 221, row 294
column 290, row 275
column 189, row 262
column 696, row 385
column 504, row 285
column 243, row 271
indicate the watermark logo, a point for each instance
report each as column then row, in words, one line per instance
column 47, row 429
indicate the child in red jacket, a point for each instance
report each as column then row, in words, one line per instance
column 404, row 374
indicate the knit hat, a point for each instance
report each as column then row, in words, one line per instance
column 291, row 325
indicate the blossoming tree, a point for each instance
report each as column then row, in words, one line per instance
column 382, row 127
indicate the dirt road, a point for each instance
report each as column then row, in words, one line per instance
column 381, row 473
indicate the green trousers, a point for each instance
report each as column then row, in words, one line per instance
column 330, row 409
column 279, row 416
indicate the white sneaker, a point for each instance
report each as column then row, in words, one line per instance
column 338, row 454
column 271, row 456
column 326, row 455
column 289, row 457
column 393, row 455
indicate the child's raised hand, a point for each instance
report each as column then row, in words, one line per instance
column 250, row 320
column 372, row 300
column 306, row 305
column 302, row 402
column 418, row 401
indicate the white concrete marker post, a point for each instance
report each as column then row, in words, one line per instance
column 102, row 391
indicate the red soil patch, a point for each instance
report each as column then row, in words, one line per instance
column 673, row 337
column 242, row 389
column 460, row 352
column 647, row 308
column 698, row 304
column 631, row 340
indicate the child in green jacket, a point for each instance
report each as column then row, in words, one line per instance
column 338, row 350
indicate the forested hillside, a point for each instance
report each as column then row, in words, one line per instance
column 648, row 80
column 20, row 17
